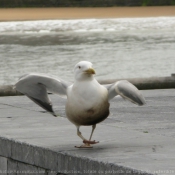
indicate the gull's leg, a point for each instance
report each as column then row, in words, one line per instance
column 93, row 128
column 79, row 133
column 89, row 141
column 86, row 145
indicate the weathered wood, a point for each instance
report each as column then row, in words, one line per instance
column 7, row 90
column 147, row 83
column 140, row 83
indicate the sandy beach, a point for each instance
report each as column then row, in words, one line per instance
column 19, row 14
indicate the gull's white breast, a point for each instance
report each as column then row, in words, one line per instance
column 87, row 103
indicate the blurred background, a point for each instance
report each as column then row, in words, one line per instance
column 117, row 47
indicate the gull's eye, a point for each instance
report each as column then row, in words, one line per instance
column 79, row 67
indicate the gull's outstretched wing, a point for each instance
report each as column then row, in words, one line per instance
column 127, row 91
column 36, row 87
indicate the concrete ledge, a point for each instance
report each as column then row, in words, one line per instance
column 27, row 158
column 133, row 140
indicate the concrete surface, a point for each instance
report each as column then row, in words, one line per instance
column 133, row 140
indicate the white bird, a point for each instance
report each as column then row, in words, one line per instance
column 87, row 101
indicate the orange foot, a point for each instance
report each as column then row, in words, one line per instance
column 90, row 142
column 87, row 144
column 84, row 146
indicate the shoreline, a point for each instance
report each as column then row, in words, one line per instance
column 26, row 14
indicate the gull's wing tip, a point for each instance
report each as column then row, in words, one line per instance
column 54, row 114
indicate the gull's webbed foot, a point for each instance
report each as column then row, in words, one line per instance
column 90, row 142
column 87, row 144
column 84, row 146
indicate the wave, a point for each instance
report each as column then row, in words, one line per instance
column 87, row 25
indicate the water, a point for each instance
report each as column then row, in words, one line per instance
column 118, row 48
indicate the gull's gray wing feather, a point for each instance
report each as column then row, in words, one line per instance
column 127, row 91
column 36, row 86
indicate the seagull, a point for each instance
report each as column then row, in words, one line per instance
column 87, row 101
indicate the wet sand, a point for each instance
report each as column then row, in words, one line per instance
column 20, row 14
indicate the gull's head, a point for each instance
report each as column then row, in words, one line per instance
column 83, row 70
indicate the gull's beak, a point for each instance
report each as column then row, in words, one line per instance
column 90, row 71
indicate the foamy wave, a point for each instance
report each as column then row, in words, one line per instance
column 85, row 25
